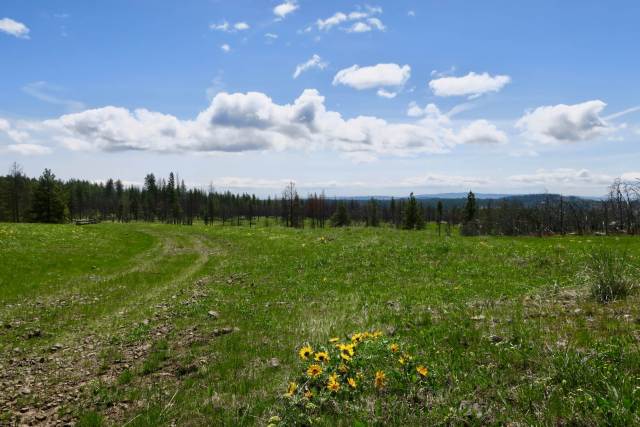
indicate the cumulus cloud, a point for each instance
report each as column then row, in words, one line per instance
column 15, row 134
column 482, row 132
column 252, row 121
column 377, row 76
column 362, row 21
column 472, row 85
column 565, row 123
column 284, row 9
column 314, row 62
column 14, row 28
column 225, row 48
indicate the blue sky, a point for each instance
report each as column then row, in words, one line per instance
column 389, row 97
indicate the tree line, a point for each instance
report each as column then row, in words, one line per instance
column 48, row 199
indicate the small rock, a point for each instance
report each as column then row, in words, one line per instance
column 495, row 339
column 25, row 391
column 34, row 334
column 213, row 314
column 478, row 317
column 224, row 331
column 145, row 322
column 274, row 362
column 390, row 330
column 577, row 311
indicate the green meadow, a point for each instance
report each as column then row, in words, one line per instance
column 150, row 324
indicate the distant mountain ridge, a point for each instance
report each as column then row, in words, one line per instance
column 524, row 198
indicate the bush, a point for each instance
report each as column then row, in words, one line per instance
column 609, row 275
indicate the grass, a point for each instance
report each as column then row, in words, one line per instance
column 507, row 326
column 608, row 272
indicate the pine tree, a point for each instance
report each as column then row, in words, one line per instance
column 439, row 210
column 373, row 217
column 48, row 202
column 420, row 220
column 470, row 209
column 411, row 214
column 341, row 217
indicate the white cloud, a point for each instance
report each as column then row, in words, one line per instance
column 411, row 13
column 376, row 23
column 271, row 36
column 377, row 76
column 14, row 28
column 386, row 94
column 252, row 121
column 415, row 110
column 332, row 21
column 314, row 62
column 563, row 176
column 364, row 21
column 225, row 48
column 29, row 149
column 14, row 134
column 284, row 9
column 565, row 123
column 482, row 132
column 224, row 26
column 359, row 27
column 241, row 26
column 228, row 28
column 472, row 85
column 442, row 180
column 50, row 93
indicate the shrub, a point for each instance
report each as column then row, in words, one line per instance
column 347, row 374
column 608, row 274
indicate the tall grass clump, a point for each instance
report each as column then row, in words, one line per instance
column 608, row 272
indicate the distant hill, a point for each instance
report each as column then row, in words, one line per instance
column 458, row 199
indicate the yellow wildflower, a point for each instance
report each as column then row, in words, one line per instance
column 343, row 369
column 322, row 356
column 394, row 348
column 347, row 349
column 380, row 380
column 422, row 370
column 308, row 394
column 314, row 370
column 345, row 357
column 305, row 352
column 292, row 389
column 352, row 383
column 333, row 384
column 334, row 340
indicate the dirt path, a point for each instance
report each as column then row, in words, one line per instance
column 41, row 386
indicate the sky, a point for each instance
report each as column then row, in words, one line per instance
column 353, row 98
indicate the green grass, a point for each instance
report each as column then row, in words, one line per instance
column 507, row 326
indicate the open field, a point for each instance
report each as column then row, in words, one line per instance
column 111, row 324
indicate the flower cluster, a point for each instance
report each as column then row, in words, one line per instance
column 348, row 368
